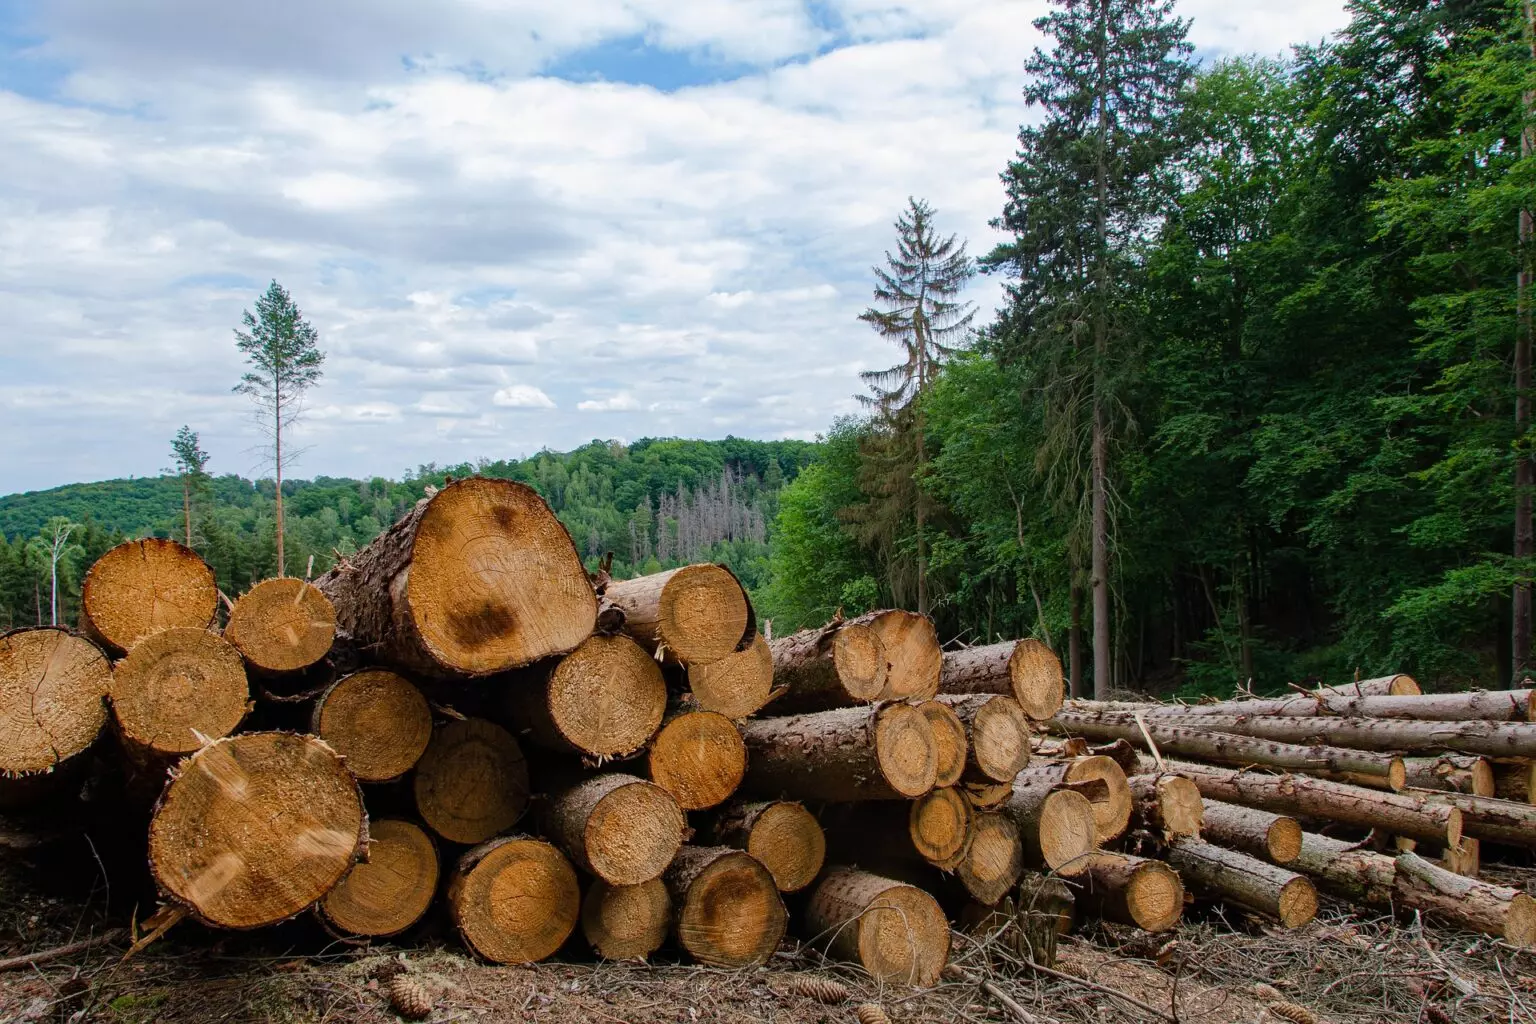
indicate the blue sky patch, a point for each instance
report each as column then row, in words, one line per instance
column 633, row 60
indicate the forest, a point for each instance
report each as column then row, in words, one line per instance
column 1255, row 409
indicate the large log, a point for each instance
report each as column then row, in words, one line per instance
column 727, row 909
column 256, row 828
column 841, row 664
column 993, row 860
column 1197, row 739
column 1026, row 670
column 1246, row 881
column 392, row 890
column 997, row 736
column 477, row 579
column 626, row 922
column 884, row 753
column 896, row 932
column 604, row 700
column 1111, row 804
column 472, row 782
column 1166, row 804
column 1481, row 705
column 514, row 900
column 1398, row 685
column 783, row 835
column 951, row 741
column 1131, row 890
column 1263, row 834
column 1056, row 827
column 53, row 705
column 692, row 615
column 941, row 825
column 737, row 685
column 377, row 720
column 700, row 758
column 1486, row 817
column 1455, row 773
column 912, row 651
column 1347, row 870
column 176, row 690
column 143, row 586
column 620, row 828
column 1405, row 814
column 282, row 625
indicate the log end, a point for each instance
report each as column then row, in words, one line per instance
column 1520, row 921
column 1180, row 805
column 53, row 690
column 1112, row 812
column 626, row 922
column 1155, row 897
column 1397, row 775
column 282, row 625
column 901, row 934
column 472, row 782
column 700, row 758
column 179, row 688
column 1068, row 832
column 790, row 843
column 906, row 750
column 1283, row 839
column 940, row 825
column 703, row 614
column 731, row 914
column 377, row 720
column 143, row 586
column 913, row 654
column 390, row 891
column 1038, row 683
column 1298, row 902
column 515, row 900
column 738, row 684
column 860, row 660
column 994, row 860
column 1000, row 739
column 952, row 745
column 607, row 697
column 633, row 833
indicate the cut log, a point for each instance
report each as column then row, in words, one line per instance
column 1056, row 827
column 846, row 754
column 1111, row 804
column 514, row 900
column 728, row 910
column 626, row 922
column 997, row 736
column 604, row 700
column 1495, row 705
column 1406, row 814
column 1456, row 773
column 1488, row 818
column 176, row 690
column 1026, row 670
column 912, row 652
column 1466, row 860
column 1491, row 909
column 53, row 705
column 1059, row 747
column 143, row 586
column 987, row 796
column 620, row 828
column 392, row 890
column 737, row 685
column 993, row 860
column 1346, row 869
column 377, row 720
column 1398, row 685
column 282, row 625
column 1515, row 780
column 1245, row 881
column 1203, row 739
column 1166, row 804
column 952, row 744
column 783, row 835
column 472, row 782
column 1263, row 834
column 693, row 615
column 1122, row 752
column 700, row 758
column 841, row 664
column 896, row 932
column 942, row 825
column 256, row 828
column 477, row 579
column 1131, row 890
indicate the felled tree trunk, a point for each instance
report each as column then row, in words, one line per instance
column 997, row 736
column 1166, row 804
column 737, row 685
column 1111, row 805
column 256, row 828
column 1491, row 909
column 604, row 700
column 941, row 825
column 282, row 625
column 377, row 720
column 912, row 651
column 1490, row 705
column 693, row 615
column 53, row 692
column 477, row 579
column 1056, row 827
column 1483, row 817
column 1245, row 881
column 626, row 922
column 1026, row 670
column 1515, row 779
column 1398, row 685
column 783, row 835
column 472, row 782
column 896, row 932
column 846, row 754
column 1455, row 773
column 143, row 586
column 1346, row 869
column 392, row 890
column 1131, row 890
column 951, row 740
column 841, row 664
column 728, row 911
column 620, row 828
column 176, row 690
column 700, row 758
column 515, row 900
column 993, row 860
column 1268, row 836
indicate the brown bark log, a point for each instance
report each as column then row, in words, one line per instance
column 143, row 586
column 1491, row 909
column 993, row 860
column 951, row 741
column 693, row 615
column 478, row 579
column 604, row 700
column 176, row 690
column 1026, row 670
column 737, row 685
column 885, row 753
column 997, row 736
column 728, row 910
column 53, row 705
column 256, row 828
column 700, row 758
column 1056, row 827
column 514, row 900
column 472, row 782
column 1346, row 869
column 912, row 652
column 618, row 827
column 375, row 719
column 783, row 835
column 1166, row 804
column 1486, row 817
column 392, row 890
column 1246, row 881
column 1482, row 705
column 896, row 932
column 1455, row 773
column 1361, row 767
column 626, row 922
column 1263, row 834
column 1111, row 805
column 1131, row 890
column 1406, row 814
column 1398, row 685
column 841, row 664
column 282, row 625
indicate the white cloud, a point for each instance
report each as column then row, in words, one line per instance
column 623, row 401
column 522, row 396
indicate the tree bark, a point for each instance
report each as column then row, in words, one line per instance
column 377, row 720
column 1144, row 893
column 1346, row 870
column 694, row 615
column 1483, row 817
column 1111, row 806
column 515, row 900
column 896, row 932
column 392, row 890
column 1525, row 468
column 846, row 754
column 1245, row 881
column 1491, row 909
column 728, row 910
column 1102, row 682
column 618, row 827
column 1263, row 834
column 842, row 664
column 997, row 736
column 53, row 692
column 1026, row 670
column 783, row 835
column 1166, row 804
column 1482, row 705
column 479, row 578
column 143, row 586
column 1398, row 685
column 1075, row 642
column 281, row 626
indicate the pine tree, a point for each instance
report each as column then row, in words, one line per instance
column 190, row 468
column 1087, row 187
column 283, row 351
column 917, row 295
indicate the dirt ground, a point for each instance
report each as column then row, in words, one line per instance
column 1215, row 969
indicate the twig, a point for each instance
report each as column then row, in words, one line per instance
column 1106, row 989
column 1146, row 734
column 160, row 922
column 987, row 986
column 68, row 949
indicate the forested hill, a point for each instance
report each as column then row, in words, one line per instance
column 713, row 500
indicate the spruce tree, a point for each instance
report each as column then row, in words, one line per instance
column 1088, row 185
column 190, row 468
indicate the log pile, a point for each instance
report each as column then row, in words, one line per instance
column 460, row 717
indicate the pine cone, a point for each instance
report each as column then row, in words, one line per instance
column 409, row 998
column 1293, row 1012
column 870, row 1013
column 823, row 990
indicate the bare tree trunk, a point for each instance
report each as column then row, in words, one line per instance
column 1525, row 468
column 917, row 501
column 1075, row 641
column 186, row 506
column 1100, row 583
column 278, row 464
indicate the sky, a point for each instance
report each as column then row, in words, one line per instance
column 516, row 224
